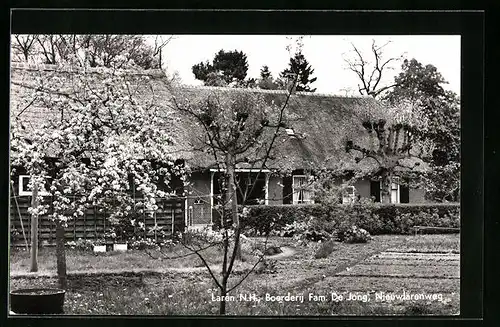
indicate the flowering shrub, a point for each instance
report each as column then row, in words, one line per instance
column 134, row 244
column 302, row 231
column 144, row 244
column 353, row 234
column 295, row 228
column 206, row 235
column 82, row 245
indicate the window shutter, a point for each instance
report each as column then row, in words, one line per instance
column 404, row 194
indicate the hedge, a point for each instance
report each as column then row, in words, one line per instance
column 375, row 218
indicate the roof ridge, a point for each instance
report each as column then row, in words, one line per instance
column 257, row 90
column 74, row 68
column 161, row 73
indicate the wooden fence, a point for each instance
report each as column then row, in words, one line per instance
column 93, row 224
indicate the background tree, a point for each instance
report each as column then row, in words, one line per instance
column 112, row 51
column 118, row 50
column 419, row 88
column 416, row 81
column 101, row 136
column 371, row 72
column 160, row 43
column 423, row 84
column 23, row 45
column 52, row 48
column 229, row 66
column 300, row 67
column 390, row 138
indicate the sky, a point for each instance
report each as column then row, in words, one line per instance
column 325, row 53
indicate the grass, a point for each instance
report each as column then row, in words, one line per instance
column 446, row 243
column 133, row 260
column 191, row 297
column 351, row 268
column 325, row 249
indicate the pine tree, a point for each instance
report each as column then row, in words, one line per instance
column 265, row 73
column 300, row 66
column 266, row 81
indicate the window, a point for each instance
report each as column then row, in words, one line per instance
column 301, row 193
column 348, row 194
column 394, row 193
column 25, row 190
column 251, row 186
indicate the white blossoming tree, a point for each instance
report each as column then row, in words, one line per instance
column 98, row 133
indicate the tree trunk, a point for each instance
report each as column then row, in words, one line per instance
column 61, row 255
column 34, row 229
column 223, row 293
column 386, row 187
column 232, row 201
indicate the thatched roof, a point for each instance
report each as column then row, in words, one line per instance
column 320, row 122
column 147, row 87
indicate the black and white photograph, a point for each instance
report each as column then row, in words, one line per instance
column 235, row 174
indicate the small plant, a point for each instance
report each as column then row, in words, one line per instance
column 99, row 241
column 206, row 235
column 325, row 249
column 84, row 244
column 293, row 229
column 14, row 235
column 316, row 235
column 272, row 250
column 353, row 234
column 144, row 244
column 110, row 235
column 266, row 266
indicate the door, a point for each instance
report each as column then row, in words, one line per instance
column 375, row 190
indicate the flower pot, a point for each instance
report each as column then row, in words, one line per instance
column 37, row 301
column 122, row 247
column 99, row 248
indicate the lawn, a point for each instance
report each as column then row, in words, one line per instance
column 365, row 279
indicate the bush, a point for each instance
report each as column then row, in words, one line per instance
column 261, row 220
column 353, row 234
column 375, row 218
column 310, row 230
column 272, row 250
column 293, row 229
column 325, row 249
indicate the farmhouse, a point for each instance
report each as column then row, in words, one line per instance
column 311, row 140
